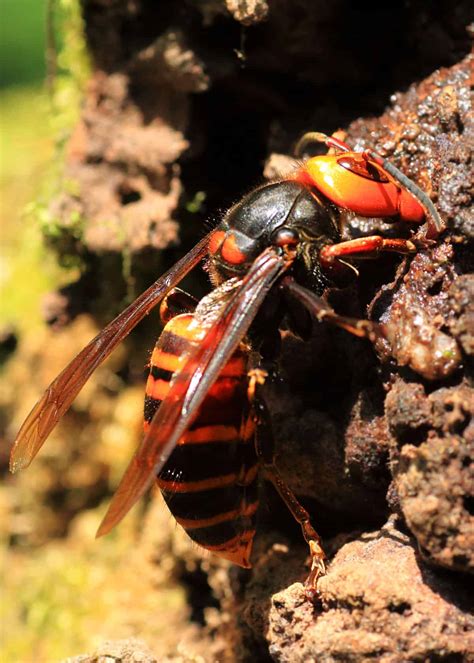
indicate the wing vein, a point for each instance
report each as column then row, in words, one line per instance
column 198, row 374
column 61, row 392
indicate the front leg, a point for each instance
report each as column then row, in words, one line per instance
column 331, row 257
column 265, row 453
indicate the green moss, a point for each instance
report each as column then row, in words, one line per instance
column 34, row 126
column 72, row 69
column 36, row 620
column 58, row 603
column 450, row 353
column 27, row 147
column 194, row 205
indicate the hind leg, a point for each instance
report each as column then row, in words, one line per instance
column 177, row 301
column 265, row 453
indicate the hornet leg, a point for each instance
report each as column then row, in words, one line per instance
column 265, row 454
column 176, row 302
column 321, row 310
column 331, row 256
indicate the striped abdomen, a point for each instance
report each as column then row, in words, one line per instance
column 209, row 481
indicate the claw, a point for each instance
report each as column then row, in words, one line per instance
column 318, row 569
column 423, row 242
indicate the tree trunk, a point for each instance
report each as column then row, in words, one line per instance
column 189, row 105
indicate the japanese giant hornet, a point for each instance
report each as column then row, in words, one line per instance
column 206, row 428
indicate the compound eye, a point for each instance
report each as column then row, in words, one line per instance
column 285, row 237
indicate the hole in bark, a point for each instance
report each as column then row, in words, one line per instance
column 151, row 230
column 468, row 502
column 128, row 195
column 199, row 595
column 399, row 608
column 436, row 288
column 460, row 560
column 445, row 329
column 8, row 344
column 415, row 436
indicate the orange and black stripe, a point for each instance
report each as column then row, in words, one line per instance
column 210, row 480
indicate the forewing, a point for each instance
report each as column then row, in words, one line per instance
column 60, row 393
column 190, row 386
